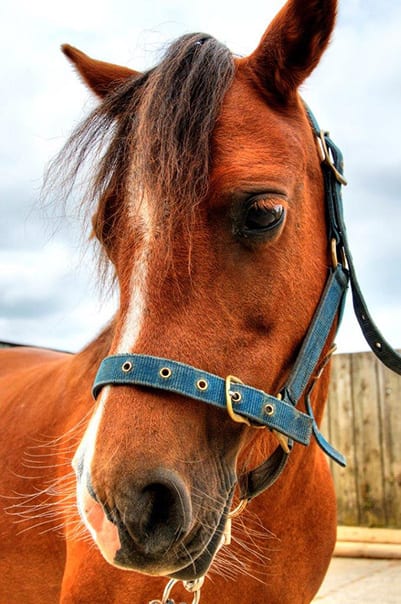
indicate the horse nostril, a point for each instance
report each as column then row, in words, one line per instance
column 158, row 506
column 159, row 514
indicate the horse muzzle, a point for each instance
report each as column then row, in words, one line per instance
column 150, row 526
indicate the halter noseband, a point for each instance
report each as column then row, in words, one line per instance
column 250, row 405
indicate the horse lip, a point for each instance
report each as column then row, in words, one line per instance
column 200, row 565
column 197, row 567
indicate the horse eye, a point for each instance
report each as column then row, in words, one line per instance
column 261, row 218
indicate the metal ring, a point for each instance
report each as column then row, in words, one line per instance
column 239, row 509
column 127, row 366
column 165, row 373
column 202, row 385
column 193, row 587
column 167, row 590
column 327, row 157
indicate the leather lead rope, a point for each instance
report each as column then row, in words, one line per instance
column 379, row 346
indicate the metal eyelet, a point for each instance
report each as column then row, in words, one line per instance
column 165, row 373
column 202, row 385
column 236, row 397
column 269, row 409
column 126, row 367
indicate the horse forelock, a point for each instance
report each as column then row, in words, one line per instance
column 151, row 138
column 176, row 116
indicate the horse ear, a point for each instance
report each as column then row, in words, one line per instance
column 101, row 77
column 292, row 45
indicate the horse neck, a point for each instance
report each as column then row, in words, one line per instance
column 97, row 349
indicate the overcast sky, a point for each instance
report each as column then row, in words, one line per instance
column 47, row 293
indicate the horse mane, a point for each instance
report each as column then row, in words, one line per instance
column 150, row 137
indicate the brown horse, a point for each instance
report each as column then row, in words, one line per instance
column 208, row 200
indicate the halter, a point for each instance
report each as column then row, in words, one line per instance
column 254, row 407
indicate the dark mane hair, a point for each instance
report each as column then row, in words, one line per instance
column 152, row 137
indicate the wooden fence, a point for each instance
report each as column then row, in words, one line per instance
column 363, row 420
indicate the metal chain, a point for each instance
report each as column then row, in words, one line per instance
column 193, row 586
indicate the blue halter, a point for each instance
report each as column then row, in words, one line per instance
column 250, row 405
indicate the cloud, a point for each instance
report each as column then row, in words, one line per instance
column 47, row 299
column 355, row 92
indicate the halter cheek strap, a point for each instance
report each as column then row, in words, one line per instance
column 250, row 405
column 332, row 169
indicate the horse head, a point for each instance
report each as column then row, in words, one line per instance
column 210, row 208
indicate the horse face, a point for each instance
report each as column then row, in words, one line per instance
column 232, row 294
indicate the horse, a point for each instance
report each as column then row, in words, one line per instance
column 207, row 198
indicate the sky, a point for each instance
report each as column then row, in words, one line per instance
column 48, row 293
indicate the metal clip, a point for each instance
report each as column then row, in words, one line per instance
column 193, row 586
column 327, row 157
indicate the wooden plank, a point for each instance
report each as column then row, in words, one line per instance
column 340, row 422
column 387, row 551
column 367, row 440
column 390, row 411
column 369, row 535
column 363, row 420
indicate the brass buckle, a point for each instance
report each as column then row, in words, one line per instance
column 326, row 156
column 231, row 397
column 283, row 440
column 334, row 255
